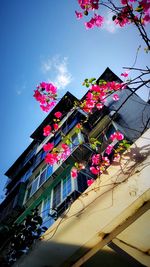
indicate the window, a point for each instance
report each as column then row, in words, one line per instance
column 103, row 137
column 75, row 140
column 49, row 171
column 34, row 186
column 57, row 139
column 69, row 125
column 28, row 192
column 111, row 129
column 57, row 195
column 45, row 212
column 38, row 159
column 67, row 188
column 46, row 208
column 62, row 190
column 42, row 176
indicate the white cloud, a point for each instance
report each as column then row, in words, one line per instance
column 109, row 25
column 56, row 71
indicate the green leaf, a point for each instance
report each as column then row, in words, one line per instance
column 139, row 9
column 76, row 164
column 91, row 80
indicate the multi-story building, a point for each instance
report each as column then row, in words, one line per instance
column 34, row 184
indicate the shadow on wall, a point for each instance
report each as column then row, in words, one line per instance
column 50, row 254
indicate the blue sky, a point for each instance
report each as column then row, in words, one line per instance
column 41, row 40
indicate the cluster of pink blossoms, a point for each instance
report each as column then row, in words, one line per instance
column 140, row 12
column 46, row 95
column 47, row 130
column 97, row 95
column 99, row 163
column 96, row 21
column 88, row 5
column 56, row 155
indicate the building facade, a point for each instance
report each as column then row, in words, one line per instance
column 34, row 184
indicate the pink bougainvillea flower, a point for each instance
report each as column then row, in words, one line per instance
column 96, row 159
column 95, row 88
column 46, row 95
column 113, row 86
column 65, row 147
column 45, row 108
column 89, row 4
column 124, row 2
column 48, row 146
column 99, row 106
column 125, row 74
column 117, row 135
column 97, row 20
column 47, row 130
column 115, row 97
column 43, row 85
column 79, row 15
column 74, row 173
column 90, row 181
column 95, row 170
column 122, row 19
column 51, row 158
column 64, row 155
column 145, row 5
column 89, row 95
column 56, row 126
column 58, row 114
column 90, row 24
column 51, row 88
column 106, row 161
column 109, row 149
column 38, row 96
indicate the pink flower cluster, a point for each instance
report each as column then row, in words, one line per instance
column 45, row 94
column 143, row 14
column 109, row 149
column 89, row 4
column 48, row 129
column 99, row 163
column 140, row 11
column 97, row 95
column 56, row 156
column 96, row 21
column 78, row 167
column 117, row 135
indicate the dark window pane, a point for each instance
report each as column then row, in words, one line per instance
column 42, row 177
column 34, row 186
column 46, row 209
column 56, row 195
column 67, row 188
column 110, row 131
